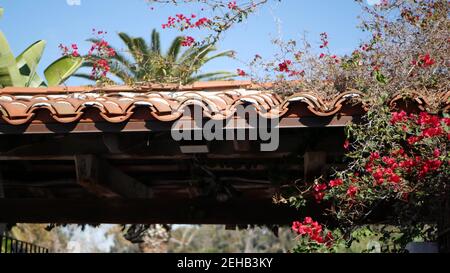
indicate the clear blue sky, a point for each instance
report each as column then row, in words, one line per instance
column 56, row 21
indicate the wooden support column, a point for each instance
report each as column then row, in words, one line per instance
column 314, row 162
column 104, row 180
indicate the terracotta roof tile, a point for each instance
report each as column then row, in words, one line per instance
column 166, row 103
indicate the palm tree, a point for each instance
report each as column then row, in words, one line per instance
column 149, row 64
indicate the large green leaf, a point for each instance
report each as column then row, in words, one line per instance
column 28, row 61
column 36, row 81
column 9, row 73
column 60, row 70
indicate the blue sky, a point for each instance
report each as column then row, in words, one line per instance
column 56, row 21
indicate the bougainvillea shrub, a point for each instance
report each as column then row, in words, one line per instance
column 396, row 160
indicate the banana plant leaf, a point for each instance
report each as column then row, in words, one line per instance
column 28, row 61
column 60, row 70
column 9, row 73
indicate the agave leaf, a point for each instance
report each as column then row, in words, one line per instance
column 36, row 81
column 9, row 73
column 60, row 70
column 28, row 61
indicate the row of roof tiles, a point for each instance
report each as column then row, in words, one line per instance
column 119, row 104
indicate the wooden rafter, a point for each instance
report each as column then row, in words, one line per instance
column 104, row 180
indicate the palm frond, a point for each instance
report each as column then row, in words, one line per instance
column 149, row 64
column 141, row 45
column 228, row 53
column 174, row 49
column 131, row 47
column 84, row 76
column 155, row 42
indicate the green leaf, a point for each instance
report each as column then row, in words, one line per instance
column 36, row 81
column 9, row 73
column 155, row 42
column 380, row 77
column 60, row 70
column 1, row 12
column 28, row 61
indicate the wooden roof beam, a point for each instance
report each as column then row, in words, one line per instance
column 104, row 180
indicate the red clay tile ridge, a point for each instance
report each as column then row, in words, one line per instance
column 166, row 103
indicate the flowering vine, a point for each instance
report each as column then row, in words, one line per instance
column 223, row 14
column 398, row 159
column 313, row 236
column 99, row 54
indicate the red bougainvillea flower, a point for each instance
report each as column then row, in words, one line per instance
column 285, row 66
column 324, row 39
column 446, row 121
column 378, row 175
column 241, row 72
column 394, row 178
column 73, row 51
column 437, row 152
column 374, row 156
column 319, row 196
column 426, row 119
column 413, row 140
column 232, row 5
column 398, row 117
column 201, row 22
column 298, row 227
column 427, row 60
column 432, row 132
column 347, row 144
column 336, row 183
column 389, row 160
column 188, row 41
column 319, row 192
column 424, row 61
column 313, row 231
column 320, row 187
column 352, row 191
column 185, row 22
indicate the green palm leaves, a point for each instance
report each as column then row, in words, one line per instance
column 149, row 64
column 21, row 71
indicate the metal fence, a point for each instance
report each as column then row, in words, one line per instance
column 10, row 245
